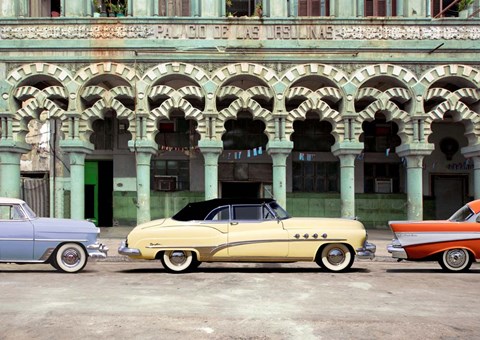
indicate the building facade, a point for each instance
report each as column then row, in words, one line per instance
column 125, row 111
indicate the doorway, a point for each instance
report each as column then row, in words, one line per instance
column 99, row 192
column 450, row 192
column 240, row 190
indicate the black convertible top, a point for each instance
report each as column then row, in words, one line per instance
column 200, row 210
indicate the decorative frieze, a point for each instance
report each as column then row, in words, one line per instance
column 239, row 32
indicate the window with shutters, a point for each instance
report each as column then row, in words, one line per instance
column 313, row 8
column 174, row 8
column 380, row 8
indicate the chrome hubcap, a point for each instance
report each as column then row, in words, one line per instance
column 71, row 257
column 336, row 256
column 177, row 258
column 456, row 258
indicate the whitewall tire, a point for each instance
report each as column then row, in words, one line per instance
column 455, row 260
column 177, row 261
column 335, row 257
column 70, row 258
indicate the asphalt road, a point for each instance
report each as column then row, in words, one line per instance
column 139, row 300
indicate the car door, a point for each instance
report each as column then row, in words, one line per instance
column 254, row 233
column 16, row 234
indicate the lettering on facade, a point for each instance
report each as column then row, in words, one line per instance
column 239, row 32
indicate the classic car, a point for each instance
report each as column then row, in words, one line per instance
column 246, row 230
column 454, row 243
column 65, row 244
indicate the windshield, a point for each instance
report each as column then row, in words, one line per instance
column 462, row 214
column 29, row 211
column 279, row 211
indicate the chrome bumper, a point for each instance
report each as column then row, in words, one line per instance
column 397, row 252
column 124, row 250
column 367, row 252
column 97, row 250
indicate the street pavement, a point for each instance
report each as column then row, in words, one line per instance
column 112, row 236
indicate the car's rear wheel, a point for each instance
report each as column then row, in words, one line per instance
column 335, row 257
column 177, row 261
column 455, row 260
column 69, row 258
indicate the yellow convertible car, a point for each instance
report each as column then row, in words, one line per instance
column 246, row 230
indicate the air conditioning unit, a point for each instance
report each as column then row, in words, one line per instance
column 384, row 186
column 165, row 183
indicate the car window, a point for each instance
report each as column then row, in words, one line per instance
column 462, row 214
column 219, row 214
column 247, row 212
column 11, row 212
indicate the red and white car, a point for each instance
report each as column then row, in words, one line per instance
column 454, row 243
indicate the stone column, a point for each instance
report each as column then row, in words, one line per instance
column 77, row 150
column 414, row 154
column 347, row 153
column 279, row 151
column 10, row 153
column 143, row 153
column 211, row 150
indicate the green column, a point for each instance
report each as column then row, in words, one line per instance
column 279, row 151
column 144, row 150
column 414, row 187
column 77, row 185
column 211, row 150
column 10, row 154
column 347, row 153
column 77, row 150
column 414, row 154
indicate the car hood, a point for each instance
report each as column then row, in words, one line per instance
column 66, row 225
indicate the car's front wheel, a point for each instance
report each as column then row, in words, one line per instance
column 70, row 258
column 177, row 261
column 455, row 260
column 335, row 257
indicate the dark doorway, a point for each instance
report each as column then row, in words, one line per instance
column 99, row 192
column 450, row 193
column 240, row 190
column 105, row 193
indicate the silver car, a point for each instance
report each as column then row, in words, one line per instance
column 65, row 244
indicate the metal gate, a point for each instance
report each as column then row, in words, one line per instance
column 35, row 191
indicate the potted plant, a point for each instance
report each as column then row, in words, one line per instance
column 97, row 8
column 258, row 10
column 463, row 7
column 228, row 4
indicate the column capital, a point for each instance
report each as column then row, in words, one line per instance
column 210, row 146
column 414, row 149
column 279, row 146
column 471, row 151
column 76, row 145
column 143, row 146
column 347, row 148
column 11, row 146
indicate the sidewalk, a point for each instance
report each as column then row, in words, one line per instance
column 112, row 236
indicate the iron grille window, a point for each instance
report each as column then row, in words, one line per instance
column 174, row 133
column 174, row 8
column 313, row 8
column 381, row 172
column 316, row 176
column 240, row 8
column 175, row 173
column 380, row 8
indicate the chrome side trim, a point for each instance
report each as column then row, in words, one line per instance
column 415, row 238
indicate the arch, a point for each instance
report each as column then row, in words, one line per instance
column 398, row 73
column 455, row 70
column 294, row 74
column 255, row 70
